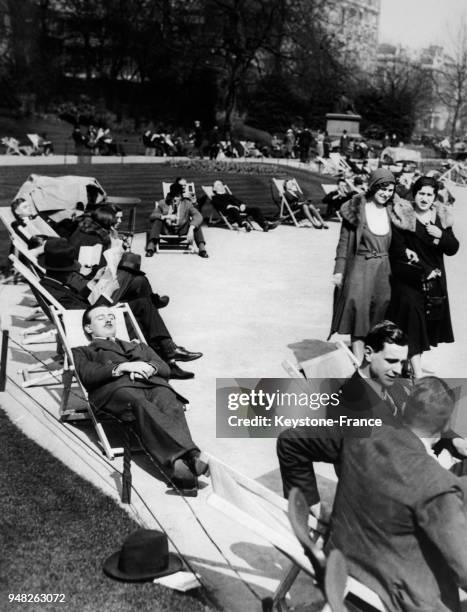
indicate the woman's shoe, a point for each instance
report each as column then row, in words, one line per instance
column 149, row 252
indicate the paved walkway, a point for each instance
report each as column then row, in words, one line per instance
column 257, row 294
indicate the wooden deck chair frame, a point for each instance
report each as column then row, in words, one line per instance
column 34, row 140
column 7, row 217
column 340, row 163
column 13, row 147
column 331, row 573
column 284, row 205
column 326, row 165
column 29, row 259
column 19, row 247
column 62, row 319
column 46, row 302
column 265, row 513
column 337, row 363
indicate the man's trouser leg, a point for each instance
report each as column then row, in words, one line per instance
column 256, row 214
column 132, row 286
column 160, row 421
column 198, row 233
column 297, row 451
column 155, row 232
column 153, row 327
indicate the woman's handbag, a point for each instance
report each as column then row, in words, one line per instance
column 407, row 272
column 435, row 298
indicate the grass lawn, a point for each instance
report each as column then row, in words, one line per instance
column 56, row 531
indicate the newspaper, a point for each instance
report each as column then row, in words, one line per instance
column 105, row 282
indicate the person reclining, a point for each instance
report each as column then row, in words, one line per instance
column 176, row 216
column 236, row 211
column 68, row 286
column 128, row 379
column 294, row 199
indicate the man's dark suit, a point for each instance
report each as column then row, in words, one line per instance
column 229, row 205
column 399, row 517
column 157, row 408
column 297, row 450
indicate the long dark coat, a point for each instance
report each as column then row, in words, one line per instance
column 407, row 307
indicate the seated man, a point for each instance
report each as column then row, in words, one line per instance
column 236, row 211
column 128, row 378
column 398, row 516
column 68, row 286
column 176, row 216
column 335, row 199
column 366, row 392
column 296, row 202
column 375, row 390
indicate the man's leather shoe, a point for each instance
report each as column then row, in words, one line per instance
column 178, row 373
column 181, row 354
column 203, row 254
column 184, row 479
column 160, row 301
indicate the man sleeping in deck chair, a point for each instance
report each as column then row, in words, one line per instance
column 129, row 380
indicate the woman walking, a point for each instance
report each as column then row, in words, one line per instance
column 362, row 271
column 422, row 235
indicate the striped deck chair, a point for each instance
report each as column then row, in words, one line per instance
column 38, row 336
column 286, row 213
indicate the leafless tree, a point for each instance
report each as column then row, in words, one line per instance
column 451, row 79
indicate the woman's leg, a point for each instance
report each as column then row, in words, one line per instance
column 308, row 215
column 317, row 215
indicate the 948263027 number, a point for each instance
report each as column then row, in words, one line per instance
column 36, row 597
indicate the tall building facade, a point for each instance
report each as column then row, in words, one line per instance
column 356, row 23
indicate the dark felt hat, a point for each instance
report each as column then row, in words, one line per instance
column 143, row 557
column 379, row 177
column 131, row 262
column 58, row 256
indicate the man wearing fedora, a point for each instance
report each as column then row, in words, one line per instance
column 129, row 379
column 64, row 282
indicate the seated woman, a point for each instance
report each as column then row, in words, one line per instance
column 96, row 228
column 236, row 211
column 295, row 199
